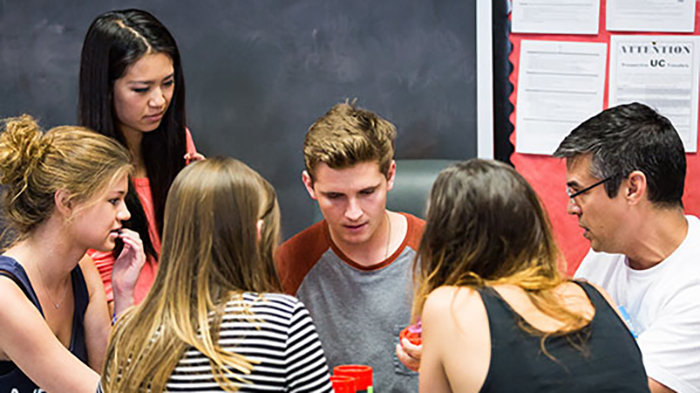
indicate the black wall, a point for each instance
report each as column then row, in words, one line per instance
column 259, row 72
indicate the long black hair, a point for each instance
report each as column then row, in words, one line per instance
column 114, row 41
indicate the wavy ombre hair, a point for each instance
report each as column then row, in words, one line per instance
column 212, row 253
column 486, row 226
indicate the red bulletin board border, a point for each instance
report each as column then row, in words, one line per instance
column 548, row 175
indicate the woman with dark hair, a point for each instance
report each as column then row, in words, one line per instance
column 497, row 314
column 132, row 89
column 215, row 319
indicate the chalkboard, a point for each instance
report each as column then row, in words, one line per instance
column 259, row 72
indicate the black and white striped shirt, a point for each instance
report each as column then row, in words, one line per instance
column 279, row 334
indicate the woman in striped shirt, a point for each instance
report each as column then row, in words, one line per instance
column 214, row 319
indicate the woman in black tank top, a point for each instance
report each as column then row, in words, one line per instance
column 497, row 313
column 63, row 192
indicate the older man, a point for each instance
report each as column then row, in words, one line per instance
column 625, row 178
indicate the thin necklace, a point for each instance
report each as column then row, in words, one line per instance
column 63, row 297
column 388, row 238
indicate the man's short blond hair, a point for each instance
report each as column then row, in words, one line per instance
column 346, row 136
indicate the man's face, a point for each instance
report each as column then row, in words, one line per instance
column 352, row 200
column 601, row 217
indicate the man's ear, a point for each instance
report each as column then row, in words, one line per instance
column 309, row 184
column 391, row 175
column 62, row 200
column 635, row 188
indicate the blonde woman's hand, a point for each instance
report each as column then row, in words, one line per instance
column 127, row 268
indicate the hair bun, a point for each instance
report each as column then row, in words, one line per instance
column 22, row 148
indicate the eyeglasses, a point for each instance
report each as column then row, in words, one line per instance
column 573, row 194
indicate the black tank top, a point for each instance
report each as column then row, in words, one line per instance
column 609, row 360
column 11, row 377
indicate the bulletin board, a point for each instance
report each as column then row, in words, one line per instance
column 548, row 174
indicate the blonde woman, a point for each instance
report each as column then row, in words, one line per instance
column 63, row 193
column 214, row 319
column 497, row 314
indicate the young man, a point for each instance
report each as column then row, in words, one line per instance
column 353, row 270
column 625, row 178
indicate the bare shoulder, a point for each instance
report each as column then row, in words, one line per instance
column 12, row 295
column 445, row 299
column 91, row 275
column 15, row 308
column 597, row 287
column 16, row 305
column 86, row 262
column 453, row 312
column 9, row 291
column 456, row 332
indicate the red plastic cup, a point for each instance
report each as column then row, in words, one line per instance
column 361, row 373
column 343, row 384
column 412, row 333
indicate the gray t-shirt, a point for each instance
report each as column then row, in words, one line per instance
column 359, row 312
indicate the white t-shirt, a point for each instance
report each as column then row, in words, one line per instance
column 663, row 304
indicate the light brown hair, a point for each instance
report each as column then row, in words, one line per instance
column 211, row 254
column 346, row 136
column 485, row 226
column 34, row 166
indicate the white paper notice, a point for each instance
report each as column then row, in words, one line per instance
column 651, row 15
column 662, row 72
column 560, row 84
column 556, row 17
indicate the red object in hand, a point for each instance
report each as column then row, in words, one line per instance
column 343, row 384
column 413, row 334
